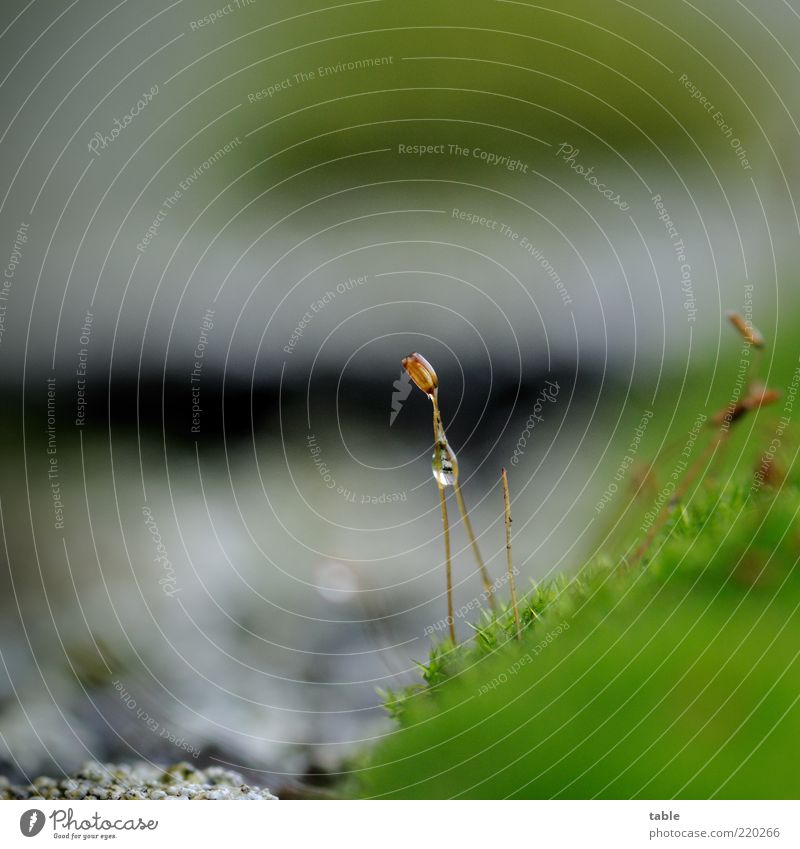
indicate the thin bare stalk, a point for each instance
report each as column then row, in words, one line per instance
column 511, row 583
column 449, row 567
column 487, row 581
column 440, row 449
column 439, row 436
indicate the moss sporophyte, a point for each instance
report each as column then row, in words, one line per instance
column 757, row 395
column 445, row 464
column 445, row 473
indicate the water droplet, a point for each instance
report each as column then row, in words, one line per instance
column 445, row 465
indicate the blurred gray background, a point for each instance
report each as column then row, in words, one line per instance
column 248, row 547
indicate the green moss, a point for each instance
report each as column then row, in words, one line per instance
column 677, row 677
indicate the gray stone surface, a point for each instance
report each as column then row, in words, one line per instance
column 138, row 781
